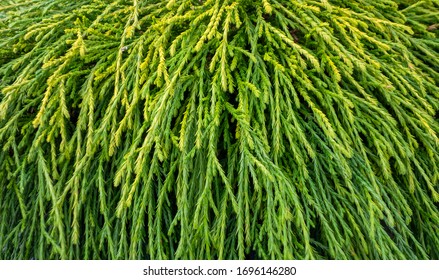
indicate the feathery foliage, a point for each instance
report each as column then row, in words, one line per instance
column 207, row 129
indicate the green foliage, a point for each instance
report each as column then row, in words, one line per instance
column 207, row 129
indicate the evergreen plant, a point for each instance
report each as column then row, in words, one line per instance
column 208, row 129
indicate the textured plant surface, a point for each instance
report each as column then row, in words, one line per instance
column 211, row 129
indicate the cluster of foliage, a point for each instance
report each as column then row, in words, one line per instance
column 208, row 129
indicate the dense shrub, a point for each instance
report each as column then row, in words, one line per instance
column 206, row 129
